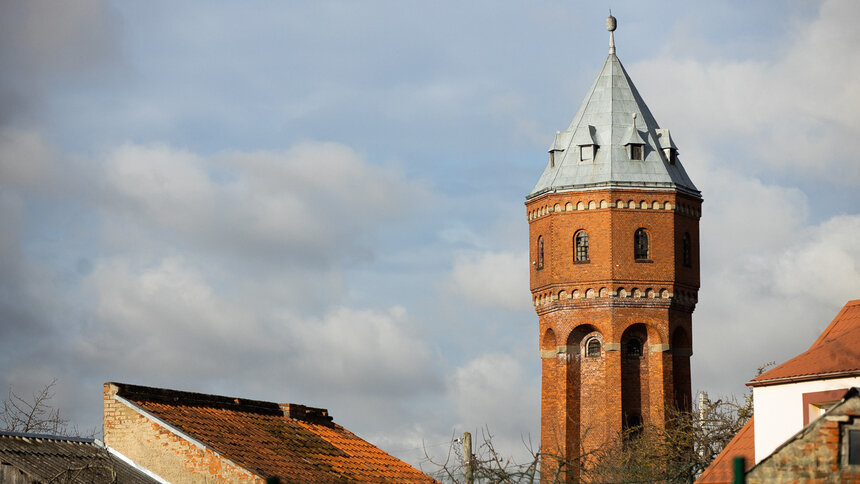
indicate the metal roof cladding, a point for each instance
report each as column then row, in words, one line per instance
column 606, row 119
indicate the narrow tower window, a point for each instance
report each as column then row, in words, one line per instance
column 634, row 348
column 687, row 256
column 540, row 253
column 640, row 245
column 592, row 348
column 581, row 243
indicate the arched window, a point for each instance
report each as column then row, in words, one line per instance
column 592, row 348
column 633, row 348
column 580, row 242
column 640, row 245
column 687, row 256
column 540, row 253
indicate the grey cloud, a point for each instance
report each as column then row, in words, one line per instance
column 43, row 42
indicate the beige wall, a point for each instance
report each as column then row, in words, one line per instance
column 164, row 452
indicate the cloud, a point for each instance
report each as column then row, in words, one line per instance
column 796, row 112
column 771, row 281
column 308, row 205
column 26, row 161
column 494, row 279
column 494, row 392
column 42, row 42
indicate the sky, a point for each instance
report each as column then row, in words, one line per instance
column 322, row 202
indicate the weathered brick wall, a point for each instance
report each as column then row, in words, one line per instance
column 163, row 452
column 587, row 400
column 815, row 456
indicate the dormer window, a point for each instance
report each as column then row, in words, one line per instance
column 586, row 153
column 559, row 144
column 586, row 139
column 664, row 139
column 634, row 142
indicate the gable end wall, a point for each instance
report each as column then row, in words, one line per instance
column 163, row 451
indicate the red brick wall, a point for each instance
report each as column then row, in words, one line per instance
column 584, row 399
column 161, row 451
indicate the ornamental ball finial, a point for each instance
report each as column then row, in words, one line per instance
column 611, row 23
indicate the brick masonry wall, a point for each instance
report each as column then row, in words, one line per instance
column 161, row 451
column 815, row 457
column 613, row 297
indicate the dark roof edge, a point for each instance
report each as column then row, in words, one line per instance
column 177, row 397
column 26, row 435
column 801, row 378
column 139, row 393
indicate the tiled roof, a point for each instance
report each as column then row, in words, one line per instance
column 289, row 441
column 721, row 469
column 48, row 458
column 836, row 353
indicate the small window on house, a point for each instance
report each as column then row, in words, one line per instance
column 853, row 447
column 636, row 151
column 592, row 348
column 688, row 260
column 634, row 348
column 640, row 245
column 539, row 262
column 581, row 246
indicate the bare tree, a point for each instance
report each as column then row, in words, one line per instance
column 34, row 415
column 677, row 452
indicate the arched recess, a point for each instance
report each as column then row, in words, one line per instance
column 548, row 342
column 587, row 387
column 682, row 349
column 634, row 374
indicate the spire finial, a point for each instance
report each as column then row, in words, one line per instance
column 611, row 24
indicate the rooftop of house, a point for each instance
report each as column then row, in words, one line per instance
column 51, row 458
column 611, row 117
column 742, row 444
column 835, row 354
column 290, row 441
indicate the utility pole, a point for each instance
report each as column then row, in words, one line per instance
column 467, row 457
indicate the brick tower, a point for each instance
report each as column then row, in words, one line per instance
column 614, row 238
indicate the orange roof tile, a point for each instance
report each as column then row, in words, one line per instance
column 292, row 442
column 834, row 354
column 721, row 469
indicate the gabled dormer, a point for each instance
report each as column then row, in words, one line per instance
column 634, row 143
column 664, row 139
column 586, row 143
column 559, row 145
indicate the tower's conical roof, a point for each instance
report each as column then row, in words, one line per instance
column 605, row 120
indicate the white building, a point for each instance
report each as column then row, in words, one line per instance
column 792, row 395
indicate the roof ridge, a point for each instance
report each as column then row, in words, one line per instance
column 185, row 398
column 65, row 438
